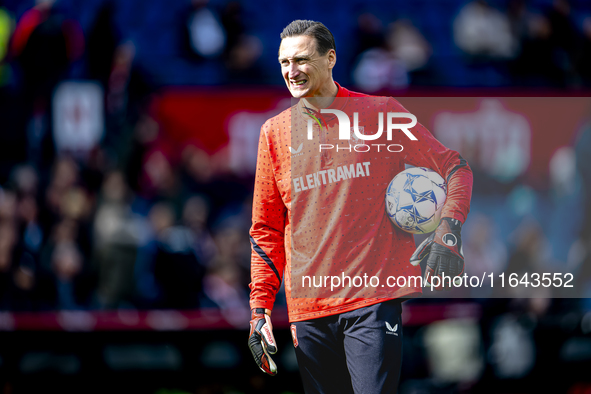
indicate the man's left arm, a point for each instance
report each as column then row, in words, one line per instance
column 430, row 153
column 443, row 248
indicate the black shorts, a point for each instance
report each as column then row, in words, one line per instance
column 354, row 352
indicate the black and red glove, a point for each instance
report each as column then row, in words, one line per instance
column 443, row 251
column 261, row 341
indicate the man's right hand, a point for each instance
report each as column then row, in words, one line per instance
column 261, row 341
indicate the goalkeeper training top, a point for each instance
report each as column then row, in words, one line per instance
column 319, row 220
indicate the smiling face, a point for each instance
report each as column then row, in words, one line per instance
column 306, row 72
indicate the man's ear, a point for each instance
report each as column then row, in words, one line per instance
column 332, row 58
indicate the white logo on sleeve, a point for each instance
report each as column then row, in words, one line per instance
column 294, row 151
column 392, row 330
column 449, row 239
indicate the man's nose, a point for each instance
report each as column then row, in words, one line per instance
column 293, row 70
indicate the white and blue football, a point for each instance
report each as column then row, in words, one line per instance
column 414, row 200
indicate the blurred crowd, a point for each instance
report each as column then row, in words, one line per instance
column 383, row 44
column 516, row 43
column 78, row 235
column 106, row 212
column 101, row 209
column 94, row 212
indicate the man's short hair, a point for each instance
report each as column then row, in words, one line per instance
column 323, row 36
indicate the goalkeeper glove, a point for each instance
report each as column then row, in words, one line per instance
column 443, row 251
column 261, row 341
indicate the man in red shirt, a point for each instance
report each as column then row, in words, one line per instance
column 318, row 214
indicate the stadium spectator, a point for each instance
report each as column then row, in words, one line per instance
column 224, row 289
column 376, row 65
column 177, row 269
column 242, row 60
column 195, row 216
column 378, row 69
column 564, row 38
column 102, row 42
column 530, row 253
column 148, row 292
column 70, row 287
column 408, row 45
column 45, row 43
column 117, row 234
column 369, row 32
column 549, row 48
column 206, row 35
column 485, row 249
column 8, row 240
column 23, row 288
column 483, row 32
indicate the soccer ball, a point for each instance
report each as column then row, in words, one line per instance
column 414, row 200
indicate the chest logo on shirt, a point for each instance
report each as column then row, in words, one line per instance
column 295, row 151
column 325, row 177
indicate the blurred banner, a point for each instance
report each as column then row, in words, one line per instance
column 227, row 121
column 509, row 138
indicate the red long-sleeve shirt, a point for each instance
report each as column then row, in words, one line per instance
column 321, row 213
